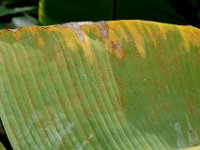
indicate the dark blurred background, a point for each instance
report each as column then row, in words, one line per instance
column 17, row 13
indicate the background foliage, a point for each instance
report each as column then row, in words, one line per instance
column 60, row 11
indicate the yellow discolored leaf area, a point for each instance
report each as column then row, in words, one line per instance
column 130, row 85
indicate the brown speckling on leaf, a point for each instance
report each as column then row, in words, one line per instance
column 166, row 106
column 103, row 27
column 119, row 104
column 120, row 84
column 1, row 59
column 137, row 37
column 40, row 42
column 88, row 112
column 116, row 49
column 190, row 105
column 158, row 85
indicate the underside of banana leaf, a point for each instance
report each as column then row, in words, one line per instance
column 121, row 85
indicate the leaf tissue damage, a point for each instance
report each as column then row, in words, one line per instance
column 132, row 84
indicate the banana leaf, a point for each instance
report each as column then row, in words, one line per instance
column 130, row 85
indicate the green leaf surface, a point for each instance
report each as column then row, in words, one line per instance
column 130, row 85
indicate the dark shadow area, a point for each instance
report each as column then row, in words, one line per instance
column 181, row 12
column 21, row 3
column 188, row 11
column 3, row 138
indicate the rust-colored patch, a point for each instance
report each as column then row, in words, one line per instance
column 15, row 135
column 112, row 41
column 18, row 34
column 80, row 95
column 103, row 74
column 159, row 85
column 163, row 65
column 1, row 58
column 197, row 62
column 39, row 88
column 166, row 106
column 45, row 27
column 122, row 33
column 120, row 84
column 163, row 30
column 190, row 105
column 153, row 37
column 116, row 49
column 103, row 28
column 185, row 36
column 58, row 54
column 86, row 47
column 34, row 30
column 138, row 39
column 193, row 137
column 99, row 103
column 119, row 104
column 195, row 36
column 190, row 35
column 72, row 41
column 88, row 112
column 40, row 42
